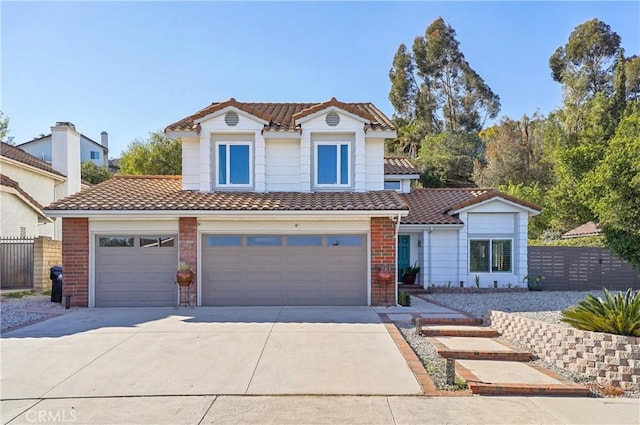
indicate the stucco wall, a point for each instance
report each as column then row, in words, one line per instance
column 16, row 214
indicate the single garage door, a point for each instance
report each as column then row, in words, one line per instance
column 284, row 270
column 136, row 271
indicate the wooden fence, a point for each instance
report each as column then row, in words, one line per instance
column 581, row 269
column 16, row 262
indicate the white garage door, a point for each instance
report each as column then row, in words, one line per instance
column 136, row 271
column 284, row 270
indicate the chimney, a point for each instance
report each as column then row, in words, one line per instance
column 104, row 141
column 65, row 154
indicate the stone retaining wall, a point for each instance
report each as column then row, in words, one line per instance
column 611, row 359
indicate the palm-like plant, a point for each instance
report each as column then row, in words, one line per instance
column 619, row 314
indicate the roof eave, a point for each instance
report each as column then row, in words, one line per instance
column 34, row 169
column 320, row 214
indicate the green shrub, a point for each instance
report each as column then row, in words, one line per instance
column 618, row 315
column 404, row 299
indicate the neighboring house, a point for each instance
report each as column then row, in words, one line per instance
column 588, row 229
column 29, row 182
column 281, row 204
column 90, row 150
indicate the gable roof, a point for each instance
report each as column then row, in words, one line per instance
column 395, row 165
column 434, row 206
column 6, row 181
column 49, row 135
column 164, row 193
column 19, row 155
column 282, row 116
column 587, row 229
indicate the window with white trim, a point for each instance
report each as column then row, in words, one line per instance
column 332, row 164
column 95, row 155
column 490, row 256
column 233, row 164
column 392, row 185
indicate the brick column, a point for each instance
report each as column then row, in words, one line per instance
column 46, row 253
column 75, row 260
column 383, row 254
column 188, row 245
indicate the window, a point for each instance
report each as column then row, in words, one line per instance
column 304, row 240
column 95, row 155
column 264, row 241
column 392, row 185
column 234, row 164
column 156, row 241
column 116, row 241
column 344, row 240
column 224, row 240
column 332, row 164
column 493, row 255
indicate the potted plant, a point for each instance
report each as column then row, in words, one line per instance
column 409, row 274
column 184, row 275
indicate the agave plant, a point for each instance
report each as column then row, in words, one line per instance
column 619, row 314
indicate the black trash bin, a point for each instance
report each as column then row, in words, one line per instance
column 55, row 274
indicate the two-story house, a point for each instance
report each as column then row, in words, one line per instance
column 90, row 150
column 282, row 204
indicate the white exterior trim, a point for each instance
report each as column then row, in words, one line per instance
column 228, row 109
column 329, row 109
column 291, row 134
column 531, row 211
column 381, row 134
column 240, row 215
column 34, row 169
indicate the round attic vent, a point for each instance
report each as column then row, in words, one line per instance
column 332, row 119
column 231, row 119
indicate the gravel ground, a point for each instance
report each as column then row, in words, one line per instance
column 30, row 308
column 544, row 305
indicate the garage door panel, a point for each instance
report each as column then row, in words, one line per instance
column 284, row 275
column 135, row 276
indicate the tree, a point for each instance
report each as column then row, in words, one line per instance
column 93, row 174
column 514, row 153
column 157, row 155
column 448, row 159
column 4, row 129
column 585, row 62
column 437, row 86
column 612, row 191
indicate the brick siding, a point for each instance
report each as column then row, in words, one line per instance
column 188, row 246
column 75, row 260
column 383, row 256
column 610, row 359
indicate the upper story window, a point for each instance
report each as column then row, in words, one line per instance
column 392, row 185
column 95, row 155
column 333, row 164
column 233, row 164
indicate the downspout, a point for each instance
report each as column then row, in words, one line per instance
column 429, row 254
column 395, row 278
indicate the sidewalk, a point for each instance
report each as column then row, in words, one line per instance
column 323, row 410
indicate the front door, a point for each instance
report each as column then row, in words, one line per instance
column 403, row 254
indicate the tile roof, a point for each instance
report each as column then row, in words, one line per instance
column 282, row 116
column 19, row 155
column 432, row 206
column 588, row 229
column 398, row 166
column 149, row 193
column 9, row 182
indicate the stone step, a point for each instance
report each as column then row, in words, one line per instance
column 500, row 378
column 475, row 348
column 457, row 330
column 451, row 321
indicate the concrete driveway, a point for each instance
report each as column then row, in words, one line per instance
column 204, row 351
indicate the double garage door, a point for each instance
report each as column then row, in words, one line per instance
column 236, row 270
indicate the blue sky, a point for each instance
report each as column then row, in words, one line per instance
column 132, row 68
